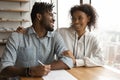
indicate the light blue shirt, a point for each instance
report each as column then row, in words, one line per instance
column 24, row 50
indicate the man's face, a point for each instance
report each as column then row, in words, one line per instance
column 48, row 21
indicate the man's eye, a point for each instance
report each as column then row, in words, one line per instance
column 54, row 13
column 51, row 14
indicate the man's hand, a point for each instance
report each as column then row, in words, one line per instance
column 39, row 71
column 20, row 30
column 68, row 53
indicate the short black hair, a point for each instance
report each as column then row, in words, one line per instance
column 89, row 11
column 40, row 7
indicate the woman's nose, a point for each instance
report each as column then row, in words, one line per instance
column 76, row 21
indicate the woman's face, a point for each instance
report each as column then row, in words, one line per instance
column 80, row 21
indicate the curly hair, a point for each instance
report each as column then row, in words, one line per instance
column 89, row 11
column 40, row 7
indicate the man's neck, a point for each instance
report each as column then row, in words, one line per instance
column 41, row 32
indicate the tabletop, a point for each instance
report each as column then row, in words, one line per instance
column 89, row 73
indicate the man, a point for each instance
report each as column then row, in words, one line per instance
column 39, row 43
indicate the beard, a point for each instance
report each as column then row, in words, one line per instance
column 49, row 28
column 47, row 25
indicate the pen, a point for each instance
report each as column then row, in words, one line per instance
column 40, row 62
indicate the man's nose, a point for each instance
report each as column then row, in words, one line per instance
column 53, row 20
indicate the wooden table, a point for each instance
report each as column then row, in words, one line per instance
column 94, row 73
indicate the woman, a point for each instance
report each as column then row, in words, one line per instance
column 83, row 44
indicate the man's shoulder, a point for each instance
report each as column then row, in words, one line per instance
column 63, row 29
column 54, row 33
column 16, row 34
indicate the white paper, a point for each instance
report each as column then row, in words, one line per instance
column 59, row 75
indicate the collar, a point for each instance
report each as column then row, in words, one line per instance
column 31, row 30
column 71, row 29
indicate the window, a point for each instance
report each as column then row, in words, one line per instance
column 64, row 7
column 109, row 27
column 109, row 14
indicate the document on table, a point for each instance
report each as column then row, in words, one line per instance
column 59, row 75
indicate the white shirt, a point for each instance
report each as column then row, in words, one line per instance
column 86, row 50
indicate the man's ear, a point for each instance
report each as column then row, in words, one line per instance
column 39, row 16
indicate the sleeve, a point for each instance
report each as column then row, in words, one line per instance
column 9, row 55
column 95, row 55
column 96, row 58
column 59, row 48
column 79, row 62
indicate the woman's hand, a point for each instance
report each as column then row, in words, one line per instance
column 20, row 30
